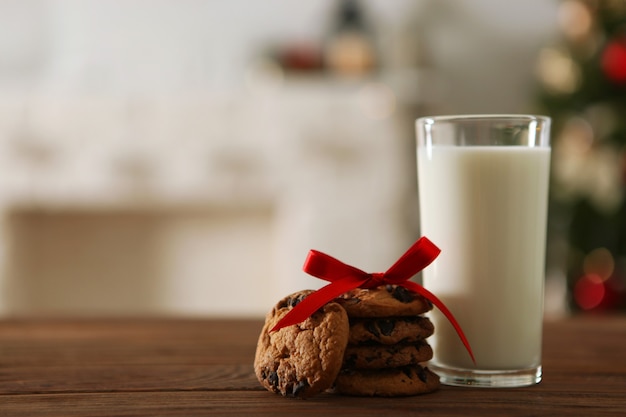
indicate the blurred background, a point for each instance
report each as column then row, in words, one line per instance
column 182, row 157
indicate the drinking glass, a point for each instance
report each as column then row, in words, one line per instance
column 483, row 192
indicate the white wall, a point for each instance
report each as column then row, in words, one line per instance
column 484, row 48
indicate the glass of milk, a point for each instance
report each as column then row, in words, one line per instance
column 483, row 191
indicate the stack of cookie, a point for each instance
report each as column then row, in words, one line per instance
column 386, row 343
column 369, row 342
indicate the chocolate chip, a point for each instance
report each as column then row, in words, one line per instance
column 370, row 326
column 296, row 300
column 292, row 301
column 386, row 326
column 421, row 374
column 402, row 294
column 272, row 378
column 407, row 371
column 299, row 387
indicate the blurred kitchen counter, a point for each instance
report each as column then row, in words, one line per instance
column 163, row 200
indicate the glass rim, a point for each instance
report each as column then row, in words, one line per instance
column 483, row 117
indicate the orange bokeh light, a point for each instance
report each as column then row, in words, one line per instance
column 599, row 262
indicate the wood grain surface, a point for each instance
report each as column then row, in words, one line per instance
column 189, row 367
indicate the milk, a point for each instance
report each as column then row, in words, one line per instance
column 486, row 208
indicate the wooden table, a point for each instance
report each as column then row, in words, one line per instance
column 179, row 367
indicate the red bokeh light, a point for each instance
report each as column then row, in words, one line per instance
column 614, row 60
column 589, row 291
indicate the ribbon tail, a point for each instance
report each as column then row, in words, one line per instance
column 316, row 300
column 446, row 312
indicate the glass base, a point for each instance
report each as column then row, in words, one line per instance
column 487, row 379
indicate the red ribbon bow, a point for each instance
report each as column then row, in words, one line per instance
column 344, row 278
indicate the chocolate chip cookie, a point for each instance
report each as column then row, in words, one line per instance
column 390, row 330
column 384, row 301
column 304, row 359
column 386, row 356
column 393, row 382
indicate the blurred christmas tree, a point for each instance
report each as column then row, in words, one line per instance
column 583, row 88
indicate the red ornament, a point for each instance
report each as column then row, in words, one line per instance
column 613, row 60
